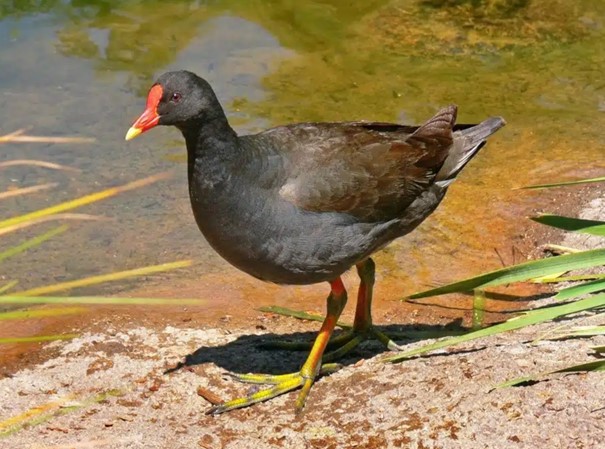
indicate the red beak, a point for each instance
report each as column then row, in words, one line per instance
column 149, row 118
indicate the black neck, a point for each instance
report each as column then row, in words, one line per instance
column 209, row 135
column 212, row 145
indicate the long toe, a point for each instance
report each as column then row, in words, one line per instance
column 275, row 379
column 267, row 379
column 287, row 382
column 351, row 339
column 385, row 340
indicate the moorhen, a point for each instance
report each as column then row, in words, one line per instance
column 303, row 203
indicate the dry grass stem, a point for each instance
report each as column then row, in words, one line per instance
column 82, row 201
column 35, row 163
column 94, row 280
column 54, row 217
column 19, row 137
column 27, row 190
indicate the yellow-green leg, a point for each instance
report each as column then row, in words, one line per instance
column 306, row 376
column 363, row 328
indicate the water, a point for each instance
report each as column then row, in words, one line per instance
column 84, row 67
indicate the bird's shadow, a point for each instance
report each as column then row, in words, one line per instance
column 248, row 354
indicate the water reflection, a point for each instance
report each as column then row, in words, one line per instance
column 81, row 67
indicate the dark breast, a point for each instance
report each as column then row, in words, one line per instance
column 272, row 240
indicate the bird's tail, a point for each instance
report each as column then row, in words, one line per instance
column 468, row 140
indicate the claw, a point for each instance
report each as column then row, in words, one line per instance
column 386, row 340
column 302, row 396
column 274, row 379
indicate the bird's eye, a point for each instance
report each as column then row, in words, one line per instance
column 176, row 97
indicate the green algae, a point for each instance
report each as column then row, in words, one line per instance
column 376, row 60
column 542, row 62
column 538, row 63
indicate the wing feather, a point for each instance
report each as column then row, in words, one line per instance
column 372, row 171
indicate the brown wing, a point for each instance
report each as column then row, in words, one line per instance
column 372, row 171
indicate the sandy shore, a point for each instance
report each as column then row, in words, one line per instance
column 108, row 388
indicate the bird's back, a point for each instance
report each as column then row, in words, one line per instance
column 315, row 198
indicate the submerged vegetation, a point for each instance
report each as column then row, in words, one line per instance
column 9, row 295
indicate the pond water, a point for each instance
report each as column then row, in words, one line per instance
column 82, row 68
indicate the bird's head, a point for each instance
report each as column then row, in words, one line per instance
column 179, row 99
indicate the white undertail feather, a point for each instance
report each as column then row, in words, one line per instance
column 467, row 143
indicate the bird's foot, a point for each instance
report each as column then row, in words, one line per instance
column 282, row 383
column 312, row 367
column 349, row 340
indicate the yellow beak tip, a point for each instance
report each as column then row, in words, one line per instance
column 132, row 133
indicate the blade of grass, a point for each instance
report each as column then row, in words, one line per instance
column 93, row 280
column 575, row 278
column 580, row 331
column 19, row 137
column 412, row 333
column 527, row 319
column 49, row 139
column 36, row 163
column 7, row 137
column 598, row 365
column 479, row 304
column 6, row 287
column 32, row 243
column 566, row 183
column 549, row 278
column 82, row 201
column 45, row 412
column 22, row 418
column 41, row 338
column 298, row 314
column 27, row 190
column 593, row 227
column 41, row 313
column 522, row 272
column 580, row 290
column 65, row 216
column 98, row 300
column 558, row 249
